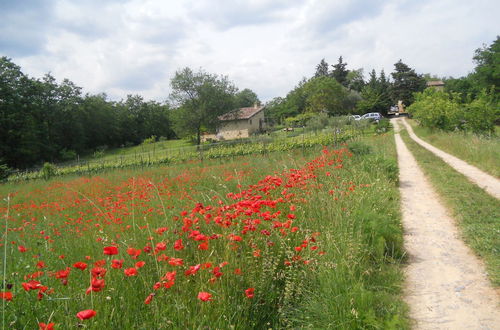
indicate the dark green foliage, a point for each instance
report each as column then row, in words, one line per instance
column 375, row 95
column 322, row 69
column 43, row 120
column 48, row 171
column 340, row 72
column 246, row 98
column 487, row 72
column 382, row 126
column 435, row 109
column 359, row 148
column 406, row 82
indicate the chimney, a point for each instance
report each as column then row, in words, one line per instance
column 255, row 105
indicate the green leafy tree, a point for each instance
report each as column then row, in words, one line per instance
column 246, row 98
column 201, row 98
column 355, row 80
column 405, row 82
column 487, row 71
column 375, row 95
column 324, row 94
column 322, row 69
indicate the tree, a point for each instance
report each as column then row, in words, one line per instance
column 322, row 69
column 324, row 94
column 201, row 98
column 406, row 82
column 487, row 71
column 340, row 72
column 355, row 80
column 246, row 98
column 375, row 95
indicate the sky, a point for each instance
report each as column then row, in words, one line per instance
column 122, row 47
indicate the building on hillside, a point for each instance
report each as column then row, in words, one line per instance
column 436, row 84
column 241, row 123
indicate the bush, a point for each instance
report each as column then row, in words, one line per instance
column 150, row 140
column 48, row 170
column 480, row 115
column 67, row 154
column 5, row 171
column 359, row 148
column 383, row 126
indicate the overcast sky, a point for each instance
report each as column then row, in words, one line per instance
column 135, row 47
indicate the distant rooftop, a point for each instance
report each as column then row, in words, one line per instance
column 241, row 113
column 435, row 83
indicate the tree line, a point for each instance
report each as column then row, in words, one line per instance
column 42, row 120
column 45, row 120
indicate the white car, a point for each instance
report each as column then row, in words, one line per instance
column 372, row 116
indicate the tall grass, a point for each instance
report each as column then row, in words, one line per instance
column 327, row 256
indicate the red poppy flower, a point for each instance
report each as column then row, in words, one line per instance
column 98, row 272
column 139, row 264
column 117, row 263
column 96, row 285
column 22, row 249
column 40, row 264
column 204, row 296
column 110, row 250
column 86, row 314
column 149, row 298
column 31, row 285
column 63, row 273
column 6, row 295
column 80, row 265
column 160, row 246
column 249, row 293
column 203, row 246
column 43, row 326
column 175, row 262
column 134, row 253
column 130, row 271
column 178, row 245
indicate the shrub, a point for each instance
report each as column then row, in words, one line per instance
column 359, row 148
column 435, row 109
column 150, row 140
column 383, row 126
column 67, row 154
column 5, row 171
column 480, row 115
column 48, row 170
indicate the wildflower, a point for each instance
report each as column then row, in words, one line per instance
column 149, row 298
column 204, row 296
column 43, row 326
column 110, row 250
column 130, row 271
column 140, row 264
column 117, row 263
column 178, row 245
column 86, row 314
column 80, row 265
column 22, row 249
column 249, row 293
column 98, row 272
column 7, row 295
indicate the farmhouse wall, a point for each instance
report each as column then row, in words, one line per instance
column 235, row 129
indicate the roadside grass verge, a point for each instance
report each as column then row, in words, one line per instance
column 476, row 212
column 315, row 232
column 482, row 152
column 361, row 285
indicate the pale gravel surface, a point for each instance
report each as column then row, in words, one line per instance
column 446, row 284
column 484, row 180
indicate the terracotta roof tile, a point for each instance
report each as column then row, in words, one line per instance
column 241, row 113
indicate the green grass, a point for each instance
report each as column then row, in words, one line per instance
column 476, row 212
column 354, row 209
column 482, row 152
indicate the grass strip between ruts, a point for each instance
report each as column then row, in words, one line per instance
column 476, row 212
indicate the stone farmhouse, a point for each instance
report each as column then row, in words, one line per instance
column 436, row 84
column 239, row 123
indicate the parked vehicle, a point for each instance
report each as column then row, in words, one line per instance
column 372, row 116
column 354, row 117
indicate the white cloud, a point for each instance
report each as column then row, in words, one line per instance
column 133, row 47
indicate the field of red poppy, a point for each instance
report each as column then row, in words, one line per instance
column 305, row 238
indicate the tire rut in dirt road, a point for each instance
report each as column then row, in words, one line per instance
column 487, row 182
column 447, row 287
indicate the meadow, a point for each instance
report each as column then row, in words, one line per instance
column 308, row 237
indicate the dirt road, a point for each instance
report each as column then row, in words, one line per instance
column 488, row 182
column 447, row 287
